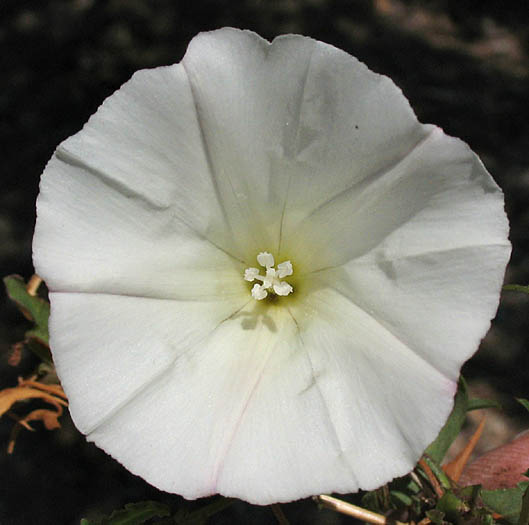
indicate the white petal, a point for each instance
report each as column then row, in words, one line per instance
column 267, row 409
column 439, row 304
column 177, row 432
column 384, row 401
column 93, row 237
column 292, row 124
column 438, row 197
column 109, row 348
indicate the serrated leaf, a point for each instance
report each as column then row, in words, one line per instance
column 516, row 288
column 478, row 404
column 507, row 502
column 33, row 307
column 133, row 514
column 523, row 402
column 438, row 449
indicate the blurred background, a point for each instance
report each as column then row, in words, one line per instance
column 464, row 65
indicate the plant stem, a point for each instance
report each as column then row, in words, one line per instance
column 279, row 514
column 352, row 510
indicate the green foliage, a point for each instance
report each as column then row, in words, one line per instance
column 478, row 404
column 438, row 449
column 507, row 502
column 436, row 517
column 144, row 511
column 200, row 516
column 524, row 513
column 523, row 402
column 132, row 514
column 516, row 288
column 452, row 506
column 36, row 310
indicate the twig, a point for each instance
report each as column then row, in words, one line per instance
column 279, row 514
column 352, row 510
column 33, row 284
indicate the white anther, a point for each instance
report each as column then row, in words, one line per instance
column 282, row 288
column 284, row 269
column 259, row 292
column 250, row 274
column 265, row 259
column 271, row 280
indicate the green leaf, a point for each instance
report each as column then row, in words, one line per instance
column 478, row 404
column 371, row 502
column 451, row 506
column 524, row 513
column 516, row 288
column 523, row 402
column 132, row 514
column 33, row 307
column 41, row 351
column 200, row 516
column 507, row 502
column 400, row 499
column 436, row 516
column 438, row 449
column 438, row 472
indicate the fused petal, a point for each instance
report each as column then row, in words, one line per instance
column 149, row 223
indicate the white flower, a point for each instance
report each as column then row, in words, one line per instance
column 377, row 245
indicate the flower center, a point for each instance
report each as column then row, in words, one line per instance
column 271, row 280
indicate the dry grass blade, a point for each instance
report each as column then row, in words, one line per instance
column 455, row 468
column 352, row 510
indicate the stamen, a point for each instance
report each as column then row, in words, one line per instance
column 283, row 288
column 271, row 280
column 259, row 292
column 265, row 259
column 284, row 269
column 250, row 274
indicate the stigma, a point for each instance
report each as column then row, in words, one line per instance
column 271, row 280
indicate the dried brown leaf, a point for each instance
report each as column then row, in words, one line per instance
column 9, row 396
column 500, row 468
column 31, row 389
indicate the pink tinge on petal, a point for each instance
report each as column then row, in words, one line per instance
column 500, row 468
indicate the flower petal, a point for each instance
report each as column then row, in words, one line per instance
column 284, row 143
column 436, row 303
column 176, row 432
column 438, row 197
column 90, row 236
column 267, row 408
column 108, row 349
column 385, row 402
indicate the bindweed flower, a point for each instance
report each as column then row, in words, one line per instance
column 264, row 272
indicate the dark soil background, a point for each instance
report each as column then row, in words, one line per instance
column 463, row 65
